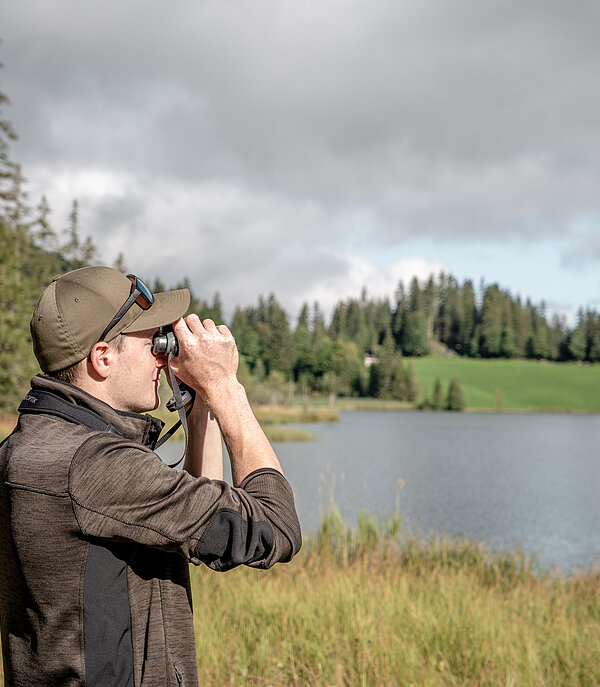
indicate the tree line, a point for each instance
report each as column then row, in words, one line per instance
column 364, row 350
column 367, row 346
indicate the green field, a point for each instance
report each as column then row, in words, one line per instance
column 516, row 384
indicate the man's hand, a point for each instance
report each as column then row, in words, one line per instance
column 208, row 358
column 208, row 362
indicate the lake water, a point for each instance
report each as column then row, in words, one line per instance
column 507, row 480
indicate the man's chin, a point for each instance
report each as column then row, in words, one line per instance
column 150, row 405
column 156, row 401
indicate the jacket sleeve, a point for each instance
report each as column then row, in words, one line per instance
column 122, row 491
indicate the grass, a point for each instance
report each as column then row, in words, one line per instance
column 271, row 418
column 371, row 404
column 373, row 608
column 275, row 433
column 275, row 415
column 516, row 385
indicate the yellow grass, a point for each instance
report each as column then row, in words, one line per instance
column 374, row 607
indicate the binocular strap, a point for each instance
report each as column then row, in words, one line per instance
column 179, row 405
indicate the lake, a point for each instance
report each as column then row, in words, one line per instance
column 508, row 480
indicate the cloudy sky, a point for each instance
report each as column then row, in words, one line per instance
column 310, row 149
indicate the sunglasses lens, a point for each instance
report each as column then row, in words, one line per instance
column 145, row 297
column 144, row 302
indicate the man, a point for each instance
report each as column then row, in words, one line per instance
column 95, row 531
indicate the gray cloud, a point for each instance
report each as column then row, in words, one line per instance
column 257, row 132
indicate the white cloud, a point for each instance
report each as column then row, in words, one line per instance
column 380, row 282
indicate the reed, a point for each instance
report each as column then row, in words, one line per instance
column 376, row 606
column 276, row 433
column 275, row 415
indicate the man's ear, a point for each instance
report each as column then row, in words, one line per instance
column 100, row 359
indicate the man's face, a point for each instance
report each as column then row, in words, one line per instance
column 135, row 374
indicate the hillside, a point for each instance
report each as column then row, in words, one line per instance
column 516, row 384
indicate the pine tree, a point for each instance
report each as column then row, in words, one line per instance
column 385, row 366
column 537, row 344
column 469, row 319
column 243, row 328
column 437, row 398
column 45, row 236
column 120, row 265
column 72, row 247
column 414, row 334
column 456, row 397
column 491, row 323
column 303, row 317
column 399, row 379
column 277, row 348
column 16, row 206
column 318, row 321
column 593, row 337
column 305, row 353
column 411, row 382
column 7, row 168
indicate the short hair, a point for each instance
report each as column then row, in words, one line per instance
column 71, row 373
column 67, row 374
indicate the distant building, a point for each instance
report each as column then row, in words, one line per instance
column 370, row 359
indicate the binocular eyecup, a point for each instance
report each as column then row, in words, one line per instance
column 165, row 342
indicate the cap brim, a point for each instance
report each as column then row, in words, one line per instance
column 167, row 307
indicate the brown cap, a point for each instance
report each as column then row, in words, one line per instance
column 75, row 308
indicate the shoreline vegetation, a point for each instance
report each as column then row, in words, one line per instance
column 375, row 606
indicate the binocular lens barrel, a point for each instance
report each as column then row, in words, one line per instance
column 165, row 343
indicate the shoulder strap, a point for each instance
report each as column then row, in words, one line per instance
column 38, row 401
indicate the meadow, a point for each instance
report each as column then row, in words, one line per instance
column 516, row 385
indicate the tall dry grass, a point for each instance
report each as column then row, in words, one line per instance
column 373, row 607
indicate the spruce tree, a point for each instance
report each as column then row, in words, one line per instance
column 456, row 397
column 437, row 398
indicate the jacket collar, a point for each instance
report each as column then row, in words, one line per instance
column 142, row 428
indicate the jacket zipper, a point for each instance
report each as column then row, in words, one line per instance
column 179, row 676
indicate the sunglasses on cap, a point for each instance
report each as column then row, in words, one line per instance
column 140, row 294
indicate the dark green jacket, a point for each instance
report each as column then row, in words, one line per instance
column 96, row 533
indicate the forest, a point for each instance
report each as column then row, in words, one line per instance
column 364, row 349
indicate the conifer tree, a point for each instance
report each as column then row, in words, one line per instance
column 303, row 317
column 318, row 321
column 437, row 398
column 243, row 328
column 7, row 134
column 491, row 323
column 45, row 236
column 120, row 265
column 469, row 318
column 456, row 396
column 305, row 354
